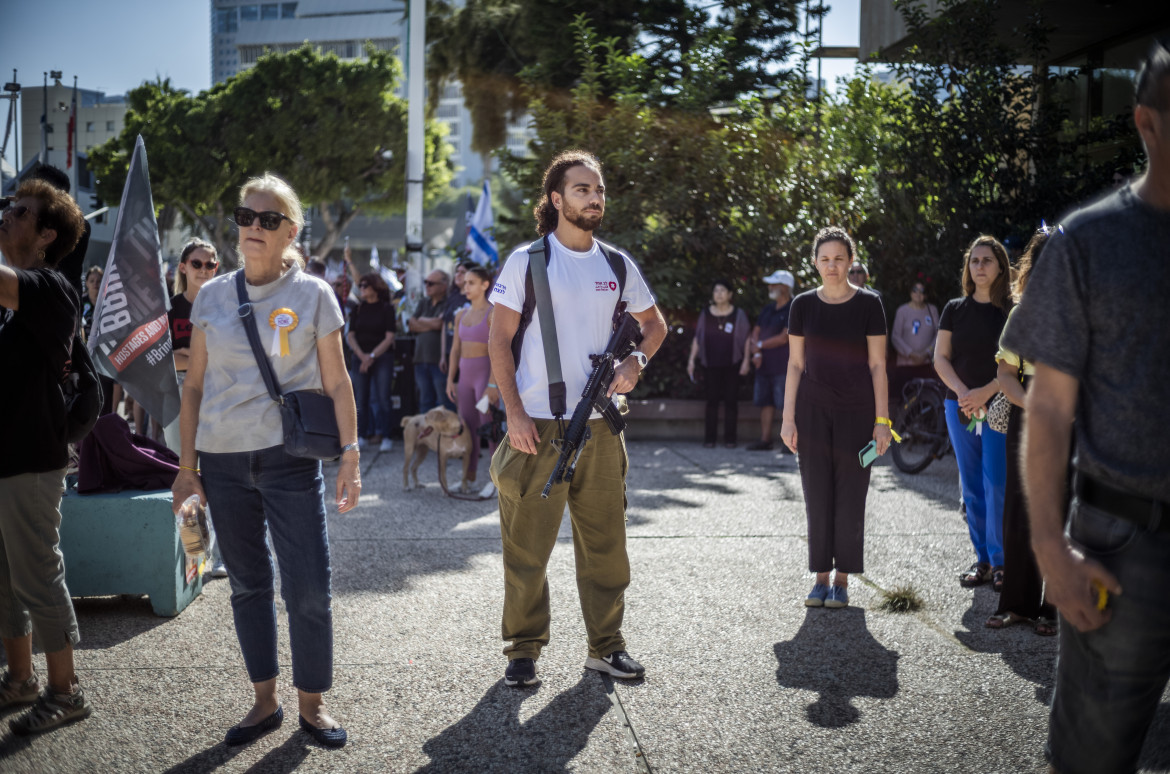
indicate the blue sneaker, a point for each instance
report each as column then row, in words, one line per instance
column 817, row 596
column 838, row 597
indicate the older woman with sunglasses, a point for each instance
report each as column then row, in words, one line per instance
column 232, row 426
column 39, row 312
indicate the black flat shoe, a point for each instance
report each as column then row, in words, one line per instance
column 326, row 737
column 238, row 735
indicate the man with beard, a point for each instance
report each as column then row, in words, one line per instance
column 586, row 289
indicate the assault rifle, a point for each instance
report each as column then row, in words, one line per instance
column 627, row 334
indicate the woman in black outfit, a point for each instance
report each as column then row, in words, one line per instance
column 1022, row 595
column 720, row 336
column 835, row 399
column 371, row 339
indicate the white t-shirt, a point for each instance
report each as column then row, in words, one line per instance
column 584, row 293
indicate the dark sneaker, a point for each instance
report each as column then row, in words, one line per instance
column 619, row 664
column 52, row 710
column 760, row 446
column 521, row 673
column 13, row 694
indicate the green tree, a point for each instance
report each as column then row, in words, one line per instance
column 987, row 146
column 334, row 129
column 506, row 51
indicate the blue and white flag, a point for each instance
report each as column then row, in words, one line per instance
column 481, row 238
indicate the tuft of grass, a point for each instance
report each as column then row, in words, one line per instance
column 901, row 599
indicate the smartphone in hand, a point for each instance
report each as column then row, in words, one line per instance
column 867, row 455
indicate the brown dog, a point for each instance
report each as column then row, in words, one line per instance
column 438, row 430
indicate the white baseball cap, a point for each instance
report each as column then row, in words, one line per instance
column 781, row 277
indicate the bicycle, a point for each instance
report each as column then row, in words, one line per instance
column 922, row 423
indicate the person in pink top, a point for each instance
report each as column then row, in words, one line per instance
column 469, row 359
column 913, row 334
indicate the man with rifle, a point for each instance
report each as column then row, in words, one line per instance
column 569, row 314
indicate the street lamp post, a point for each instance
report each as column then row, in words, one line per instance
column 12, row 94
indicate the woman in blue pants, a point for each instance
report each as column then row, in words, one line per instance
column 964, row 358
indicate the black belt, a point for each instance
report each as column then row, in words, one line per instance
column 1153, row 515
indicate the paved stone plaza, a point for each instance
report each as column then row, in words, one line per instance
column 740, row 676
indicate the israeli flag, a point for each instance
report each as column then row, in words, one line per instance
column 481, row 240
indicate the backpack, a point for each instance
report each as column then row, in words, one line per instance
column 81, row 391
column 617, row 265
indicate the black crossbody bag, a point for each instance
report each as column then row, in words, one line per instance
column 307, row 417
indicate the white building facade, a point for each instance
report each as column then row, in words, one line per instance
column 243, row 30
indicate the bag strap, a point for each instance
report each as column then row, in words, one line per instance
column 538, row 256
column 249, row 320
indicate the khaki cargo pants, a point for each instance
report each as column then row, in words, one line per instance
column 529, row 526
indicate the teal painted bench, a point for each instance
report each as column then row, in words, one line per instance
column 126, row 543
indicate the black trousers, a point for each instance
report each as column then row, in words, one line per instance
column 722, row 387
column 1023, row 587
column 835, row 485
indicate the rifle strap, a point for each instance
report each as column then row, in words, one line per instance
column 537, row 263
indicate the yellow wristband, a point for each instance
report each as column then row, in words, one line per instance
column 889, row 424
column 193, row 470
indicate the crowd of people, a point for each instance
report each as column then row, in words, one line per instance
column 1046, row 336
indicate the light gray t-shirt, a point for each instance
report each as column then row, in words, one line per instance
column 1095, row 310
column 237, row 413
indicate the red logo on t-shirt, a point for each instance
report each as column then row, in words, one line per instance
column 605, row 287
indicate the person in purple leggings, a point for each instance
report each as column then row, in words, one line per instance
column 469, row 360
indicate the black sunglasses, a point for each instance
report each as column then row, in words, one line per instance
column 856, row 271
column 17, row 210
column 197, row 264
column 269, row 221
column 363, row 284
column 433, row 282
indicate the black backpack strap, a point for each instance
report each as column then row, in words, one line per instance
column 617, row 264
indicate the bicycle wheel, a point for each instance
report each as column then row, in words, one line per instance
column 919, row 438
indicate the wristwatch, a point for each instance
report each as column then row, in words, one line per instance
column 350, row 447
column 641, row 358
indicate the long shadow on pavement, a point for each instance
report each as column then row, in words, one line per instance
column 1029, row 655
column 491, row 737
column 834, row 655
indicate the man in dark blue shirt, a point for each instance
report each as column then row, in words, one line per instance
column 768, row 349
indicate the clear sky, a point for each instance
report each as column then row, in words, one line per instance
column 114, row 45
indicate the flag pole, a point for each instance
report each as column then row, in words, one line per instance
column 71, row 143
column 45, row 122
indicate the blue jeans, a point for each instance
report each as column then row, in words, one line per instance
column 371, row 392
column 983, row 476
column 1109, row 681
column 432, row 387
column 769, row 390
column 248, row 494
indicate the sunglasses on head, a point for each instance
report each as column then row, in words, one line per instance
column 197, row 264
column 269, row 221
column 17, row 211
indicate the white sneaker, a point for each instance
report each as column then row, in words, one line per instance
column 387, row 445
column 218, row 570
column 488, row 491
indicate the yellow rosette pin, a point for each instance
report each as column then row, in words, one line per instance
column 282, row 321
